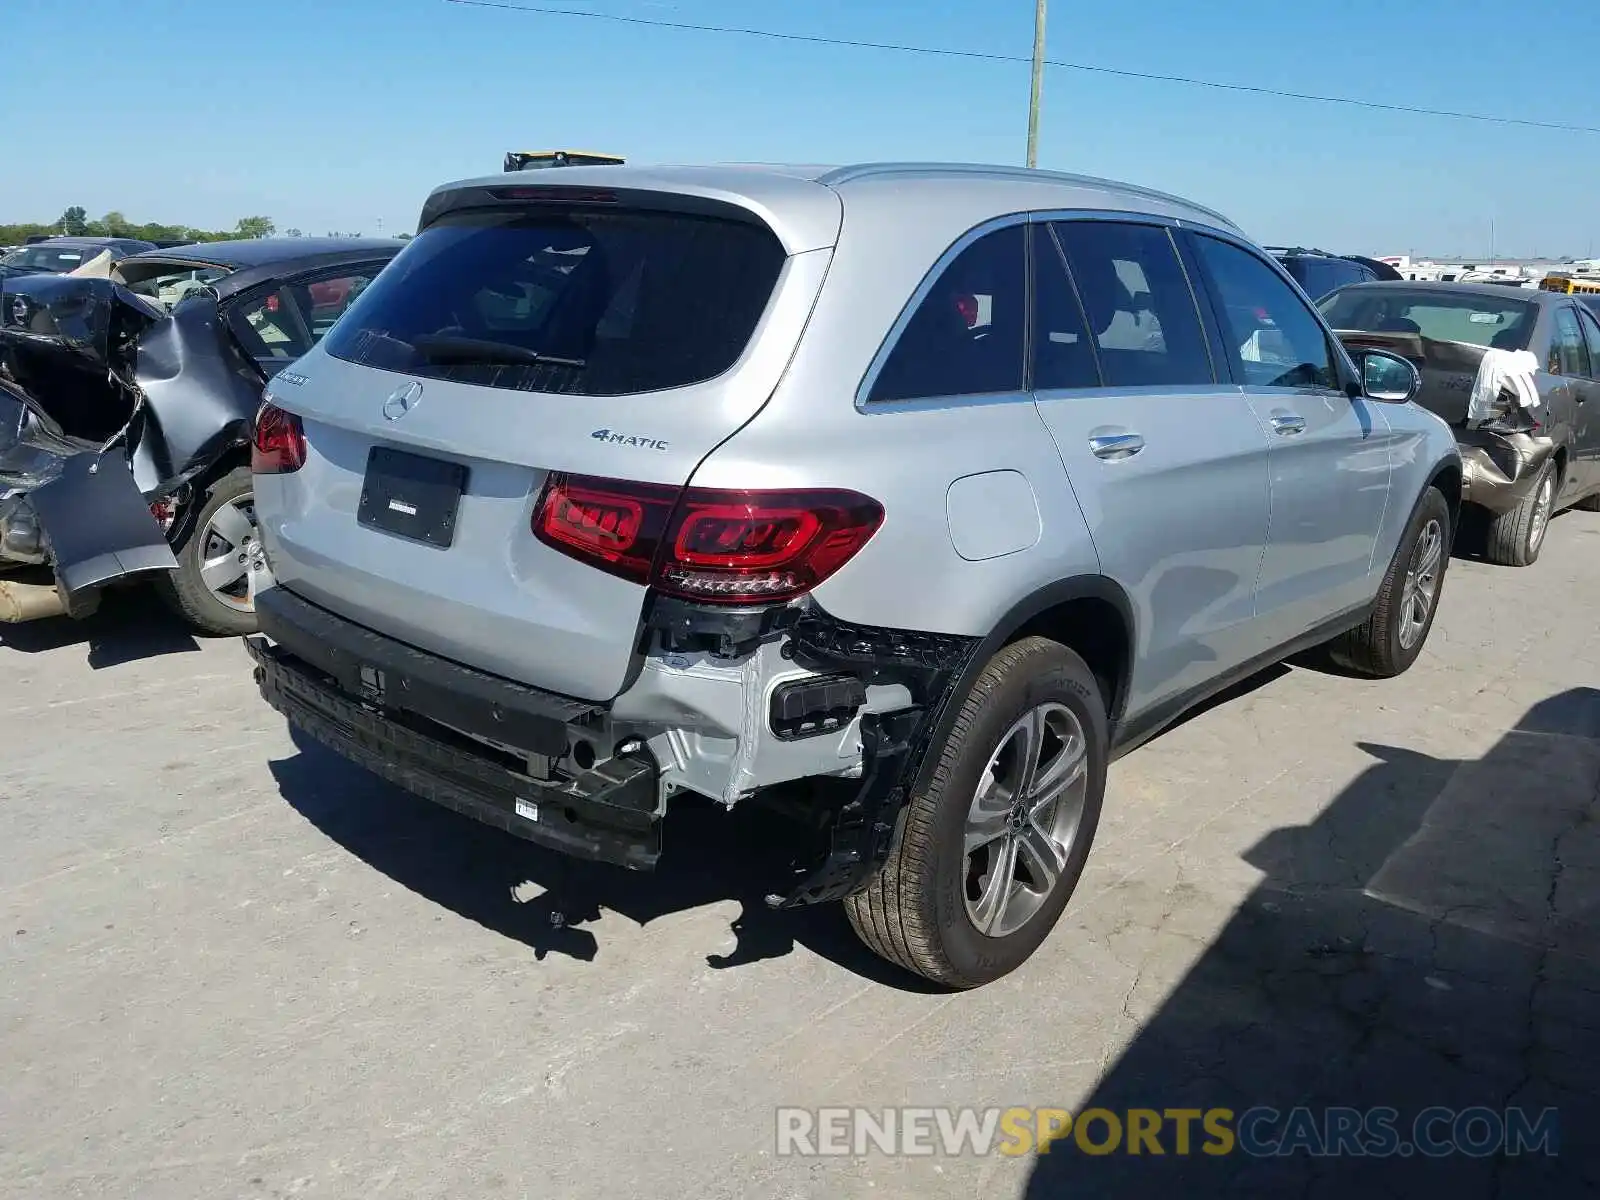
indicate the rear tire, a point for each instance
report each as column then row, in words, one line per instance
column 1393, row 636
column 1516, row 537
column 981, row 845
column 222, row 532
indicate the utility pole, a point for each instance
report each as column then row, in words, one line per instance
column 1038, row 82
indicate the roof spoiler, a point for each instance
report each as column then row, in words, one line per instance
column 533, row 160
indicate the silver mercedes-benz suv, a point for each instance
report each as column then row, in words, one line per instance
column 930, row 488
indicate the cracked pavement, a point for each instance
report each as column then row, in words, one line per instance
column 232, row 965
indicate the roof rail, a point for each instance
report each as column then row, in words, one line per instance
column 848, row 174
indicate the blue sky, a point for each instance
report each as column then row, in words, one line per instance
column 339, row 114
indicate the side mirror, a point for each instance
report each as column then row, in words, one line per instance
column 1388, row 377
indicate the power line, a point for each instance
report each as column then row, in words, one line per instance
column 981, row 56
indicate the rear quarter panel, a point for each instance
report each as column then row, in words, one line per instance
column 908, row 456
column 911, row 575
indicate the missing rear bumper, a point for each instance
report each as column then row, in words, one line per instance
column 895, row 744
column 868, row 703
column 606, row 815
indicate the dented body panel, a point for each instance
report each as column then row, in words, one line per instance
column 201, row 394
column 1498, row 470
column 109, row 403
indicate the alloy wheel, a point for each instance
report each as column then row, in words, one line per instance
column 1024, row 819
column 1422, row 583
column 1541, row 511
column 230, row 550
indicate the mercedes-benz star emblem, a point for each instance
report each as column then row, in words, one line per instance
column 402, row 401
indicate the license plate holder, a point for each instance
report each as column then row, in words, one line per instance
column 412, row 496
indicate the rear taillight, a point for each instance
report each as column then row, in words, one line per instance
column 280, row 442
column 616, row 527
column 722, row 547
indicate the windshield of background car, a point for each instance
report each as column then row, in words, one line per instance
column 1475, row 320
column 1319, row 276
column 51, row 258
column 575, row 301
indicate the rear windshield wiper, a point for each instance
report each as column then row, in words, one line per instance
column 444, row 348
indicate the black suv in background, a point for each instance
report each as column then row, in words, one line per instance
column 1318, row 272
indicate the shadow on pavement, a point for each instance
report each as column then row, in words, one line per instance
column 483, row 874
column 131, row 624
column 1431, row 940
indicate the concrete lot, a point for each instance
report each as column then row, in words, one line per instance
column 232, row 967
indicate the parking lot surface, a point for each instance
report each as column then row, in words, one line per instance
column 233, row 966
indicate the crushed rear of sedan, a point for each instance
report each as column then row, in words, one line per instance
column 1513, row 372
column 127, row 395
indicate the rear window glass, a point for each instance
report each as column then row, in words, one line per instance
column 50, row 258
column 1319, row 276
column 1475, row 320
column 568, row 301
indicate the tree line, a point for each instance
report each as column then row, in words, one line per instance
column 75, row 222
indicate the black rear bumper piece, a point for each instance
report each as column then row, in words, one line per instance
column 402, row 714
column 382, row 704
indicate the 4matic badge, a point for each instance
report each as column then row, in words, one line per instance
column 627, row 439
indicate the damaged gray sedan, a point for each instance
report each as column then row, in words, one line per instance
column 126, row 405
column 1516, row 374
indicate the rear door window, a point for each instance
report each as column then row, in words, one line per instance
column 1272, row 337
column 1063, row 353
column 1138, row 303
column 574, row 301
column 1568, row 353
column 1591, row 337
column 966, row 336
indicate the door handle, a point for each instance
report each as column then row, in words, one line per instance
column 1114, row 446
column 1288, row 424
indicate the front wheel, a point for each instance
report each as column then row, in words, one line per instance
column 985, row 859
column 211, row 587
column 1392, row 637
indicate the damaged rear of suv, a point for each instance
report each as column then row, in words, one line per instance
column 732, row 482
